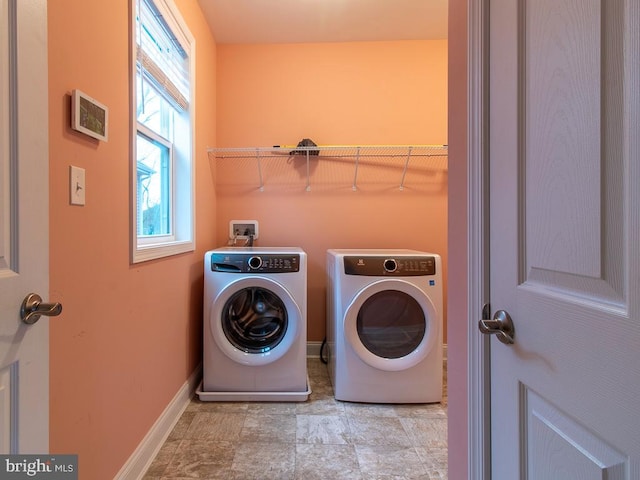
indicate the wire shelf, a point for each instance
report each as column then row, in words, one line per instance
column 402, row 154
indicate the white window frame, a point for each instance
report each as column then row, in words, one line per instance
column 153, row 137
column 183, row 183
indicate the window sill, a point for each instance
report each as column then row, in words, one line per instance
column 143, row 253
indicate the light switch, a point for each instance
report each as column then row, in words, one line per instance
column 76, row 185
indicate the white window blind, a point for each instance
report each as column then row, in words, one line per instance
column 161, row 57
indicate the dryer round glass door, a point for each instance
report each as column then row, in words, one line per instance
column 254, row 320
column 391, row 325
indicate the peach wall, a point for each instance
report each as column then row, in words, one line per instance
column 129, row 335
column 458, row 233
column 339, row 93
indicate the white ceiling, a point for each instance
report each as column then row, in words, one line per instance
column 303, row 21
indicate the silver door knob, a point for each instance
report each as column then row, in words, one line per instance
column 501, row 326
column 32, row 307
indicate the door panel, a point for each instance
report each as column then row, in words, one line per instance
column 571, row 159
column 558, row 447
column 564, row 228
column 561, row 119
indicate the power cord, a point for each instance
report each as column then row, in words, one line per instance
column 322, row 347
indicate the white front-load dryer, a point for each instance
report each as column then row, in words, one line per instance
column 255, row 325
column 384, row 325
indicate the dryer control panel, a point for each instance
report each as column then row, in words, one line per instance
column 254, row 263
column 402, row 266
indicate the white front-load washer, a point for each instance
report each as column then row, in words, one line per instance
column 384, row 325
column 255, row 325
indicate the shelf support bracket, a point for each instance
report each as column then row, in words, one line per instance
column 308, row 188
column 404, row 171
column 354, row 187
column 259, row 170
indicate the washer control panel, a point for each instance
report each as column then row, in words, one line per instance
column 254, row 263
column 403, row 266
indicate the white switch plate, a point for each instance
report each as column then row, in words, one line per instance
column 76, row 185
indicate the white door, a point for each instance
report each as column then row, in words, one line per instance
column 24, row 227
column 564, row 238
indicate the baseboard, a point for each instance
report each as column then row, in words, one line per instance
column 313, row 349
column 141, row 459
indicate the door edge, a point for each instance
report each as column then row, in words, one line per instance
column 479, row 386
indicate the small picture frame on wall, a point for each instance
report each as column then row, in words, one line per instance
column 89, row 116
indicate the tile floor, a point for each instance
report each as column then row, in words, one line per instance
column 318, row 439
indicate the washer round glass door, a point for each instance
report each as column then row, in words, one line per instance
column 391, row 325
column 254, row 320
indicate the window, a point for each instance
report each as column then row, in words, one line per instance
column 163, row 138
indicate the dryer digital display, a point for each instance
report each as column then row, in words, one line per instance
column 400, row 266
